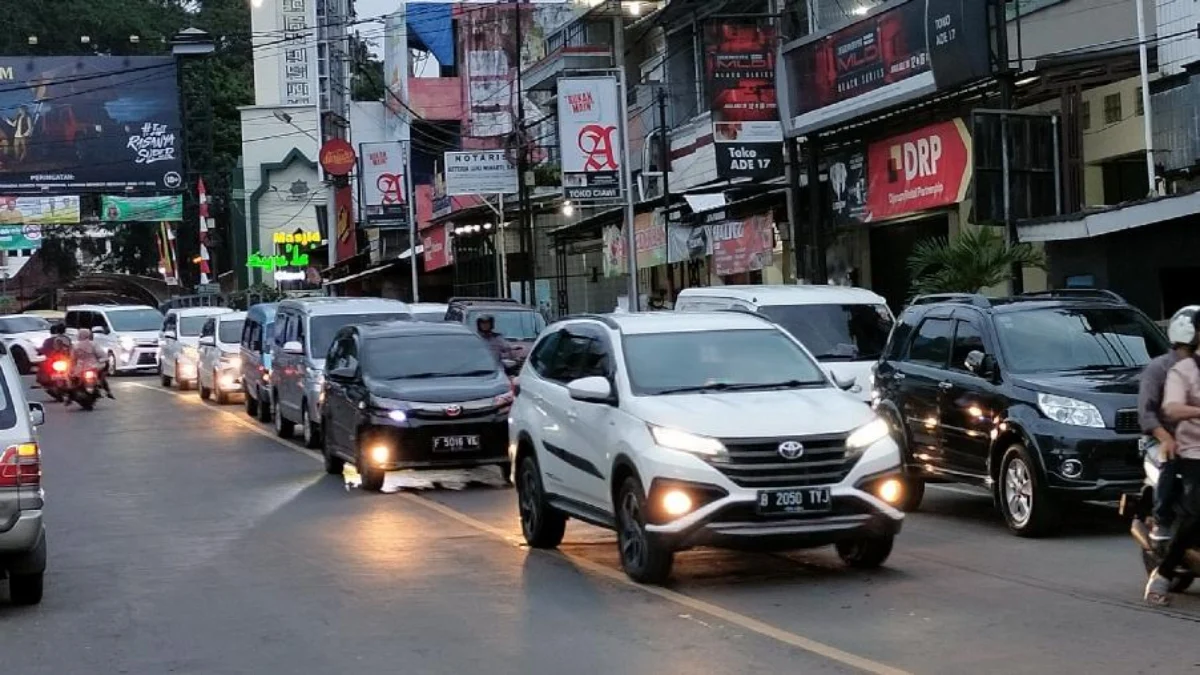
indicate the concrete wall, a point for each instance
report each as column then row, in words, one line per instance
column 1177, row 18
column 1073, row 24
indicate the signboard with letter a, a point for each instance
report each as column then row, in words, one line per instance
column 383, row 187
column 588, row 118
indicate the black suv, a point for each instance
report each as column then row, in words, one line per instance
column 1033, row 397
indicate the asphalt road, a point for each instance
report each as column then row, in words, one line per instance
column 185, row 538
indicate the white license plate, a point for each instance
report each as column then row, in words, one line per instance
column 456, row 443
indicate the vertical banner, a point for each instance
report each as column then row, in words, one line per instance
column 383, row 187
column 747, row 133
column 437, row 244
column 395, row 74
column 588, row 117
column 298, row 67
column 848, row 185
column 343, row 206
column 489, row 52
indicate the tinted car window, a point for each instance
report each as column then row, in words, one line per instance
column 1090, row 338
column 430, row 317
column 571, row 360
column 543, row 356
column 135, row 320
column 513, row 325
column 23, row 324
column 209, row 328
column 325, row 327
column 931, row 346
column 228, row 331
column 836, row 332
column 967, row 338
column 8, row 412
column 191, row 325
column 744, row 360
column 427, row 356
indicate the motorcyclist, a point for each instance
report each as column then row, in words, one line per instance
column 58, row 345
column 485, row 325
column 1181, row 404
column 1159, row 441
column 87, row 355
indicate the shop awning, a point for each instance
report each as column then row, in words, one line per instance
column 1109, row 220
column 360, row 275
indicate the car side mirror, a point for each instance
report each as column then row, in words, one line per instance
column 343, row 374
column 293, row 347
column 170, row 335
column 208, row 341
column 37, row 414
column 594, row 389
column 843, row 384
column 983, row 365
column 99, row 330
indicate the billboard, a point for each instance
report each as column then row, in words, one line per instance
column 486, row 172
column 89, row 124
column 382, row 179
column 114, row 209
column 62, row 210
column 900, row 54
column 588, row 117
column 395, row 74
column 18, row 237
column 740, row 64
column 923, row 169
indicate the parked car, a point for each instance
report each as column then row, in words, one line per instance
column 220, row 373
column 1032, row 397
column 179, row 356
column 845, row 328
column 23, row 335
column 413, row 395
column 304, row 330
column 257, row 339
column 519, row 324
column 702, row 429
column 129, row 333
column 434, row 312
column 22, row 530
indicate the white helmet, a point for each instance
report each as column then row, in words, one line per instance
column 1182, row 329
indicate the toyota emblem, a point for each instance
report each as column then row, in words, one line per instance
column 791, row 450
column 453, row 410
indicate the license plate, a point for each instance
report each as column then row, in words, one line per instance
column 799, row 500
column 456, row 443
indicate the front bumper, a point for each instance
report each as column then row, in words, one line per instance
column 1111, row 461
column 411, row 444
column 141, row 357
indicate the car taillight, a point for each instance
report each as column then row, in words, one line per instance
column 20, row 466
column 60, row 366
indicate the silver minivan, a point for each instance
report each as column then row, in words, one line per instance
column 22, row 531
column 304, row 330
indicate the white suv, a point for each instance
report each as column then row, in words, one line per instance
column 699, row 429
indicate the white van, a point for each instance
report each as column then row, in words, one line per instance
column 179, row 356
column 845, row 328
column 129, row 333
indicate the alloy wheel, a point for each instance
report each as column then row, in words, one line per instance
column 1018, row 491
column 527, row 503
column 308, row 430
column 112, row 364
column 633, row 538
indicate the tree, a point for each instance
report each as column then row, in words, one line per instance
column 978, row 258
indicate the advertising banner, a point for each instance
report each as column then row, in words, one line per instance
column 650, row 236
column 848, row 186
column 383, row 188
column 89, row 124
column 588, row 115
column 688, row 242
column 114, row 209
column 18, row 237
column 747, row 133
column 40, row 210
column 488, row 56
column 743, row 245
column 480, row 173
column 438, row 247
column 923, row 169
column 395, row 74
column 344, row 227
column 904, row 53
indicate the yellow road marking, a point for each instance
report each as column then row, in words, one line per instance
column 617, row 577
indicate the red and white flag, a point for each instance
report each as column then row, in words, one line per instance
column 205, row 224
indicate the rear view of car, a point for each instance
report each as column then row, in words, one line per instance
column 220, row 362
column 22, row 531
column 257, row 337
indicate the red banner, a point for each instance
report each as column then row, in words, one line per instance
column 436, row 243
column 745, row 113
column 923, row 169
column 743, row 245
column 344, row 229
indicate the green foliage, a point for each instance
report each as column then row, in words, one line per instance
column 242, row 300
column 978, row 258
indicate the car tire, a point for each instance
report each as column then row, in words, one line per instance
column 866, row 553
column 205, row 392
column 1028, row 508
column 179, row 382
column 506, row 475
column 372, row 477
column 166, row 379
column 312, row 433
column 1179, row 584
column 24, row 367
column 283, row 427
column 914, row 494
column 264, row 410
column 26, row 589
column 542, row 525
column 334, row 465
column 111, row 364
column 644, row 559
column 251, row 406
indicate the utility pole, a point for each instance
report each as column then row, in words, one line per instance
column 1007, row 77
column 815, row 211
column 1147, row 123
column 413, row 239
column 526, row 220
column 626, row 172
column 664, row 149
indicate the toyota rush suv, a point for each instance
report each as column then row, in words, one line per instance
column 1032, row 397
column 698, row 429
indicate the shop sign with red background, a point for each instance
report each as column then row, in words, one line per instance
column 344, row 226
column 747, row 134
column 437, row 249
column 337, row 157
column 743, row 245
column 923, row 169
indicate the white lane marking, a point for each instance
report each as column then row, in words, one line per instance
column 615, row 576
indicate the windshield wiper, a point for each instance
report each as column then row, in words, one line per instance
column 836, row 357
column 472, row 373
column 785, row 384
column 700, row 388
column 430, row 376
column 1100, row 366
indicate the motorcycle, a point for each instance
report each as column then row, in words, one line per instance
column 54, row 377
column 86, row 389
column 1140, row 507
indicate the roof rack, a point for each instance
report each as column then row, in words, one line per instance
column 513, row 301
column 973, row 299
column 1090, row 293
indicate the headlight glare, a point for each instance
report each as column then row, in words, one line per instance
column 127, row 343
column 1070, row 411
column 684, row 441
column 867, row 435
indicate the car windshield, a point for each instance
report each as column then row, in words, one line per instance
column 323, row 328
column 1049, row 340
column 23, row 324
column 428, row 356
column 836, row 332
column 135, row 320
column 698, row 361
column 429, row 317
column 230, row 332
column 524, row 325
column 190, row 326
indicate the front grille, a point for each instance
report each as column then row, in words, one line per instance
column 756, row 463
column 146, row 359
column 1127, row 422
column 466, row 414
column 1119, row 468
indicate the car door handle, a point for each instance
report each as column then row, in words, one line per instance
column 898, row 377
column 945, row 386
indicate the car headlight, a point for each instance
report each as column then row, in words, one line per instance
column 316, row 379
column 1070, row 411
column 127, row 343
column 684, row 441
column 191, row 352
column 867, row 435
column 231, row 361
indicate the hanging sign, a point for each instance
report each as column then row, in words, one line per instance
column 115, row 209
column 487, row 172
column 747, row 134
column 383, row 185
column 337, row 157
column 344, row 225
column 588, row 118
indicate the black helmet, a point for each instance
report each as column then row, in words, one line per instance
column 58, row 328
column 484, row 318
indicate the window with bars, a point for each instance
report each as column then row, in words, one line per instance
column 1112, row 108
